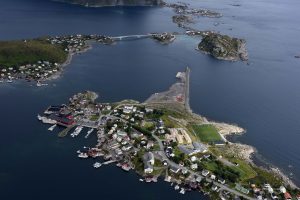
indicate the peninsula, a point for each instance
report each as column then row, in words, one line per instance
column 162, row 137
column 42, row 59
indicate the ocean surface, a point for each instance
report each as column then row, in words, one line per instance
column 262, row 97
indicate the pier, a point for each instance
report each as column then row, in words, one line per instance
column 65, row 132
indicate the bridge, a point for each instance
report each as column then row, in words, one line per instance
column 131, row 37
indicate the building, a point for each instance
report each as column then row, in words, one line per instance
column 282, row 189
column 194, row 166
column 148, row 160
column 222, row 181
column 287, row 196
column 205, row 173
column 195, row 148
column 174, row 169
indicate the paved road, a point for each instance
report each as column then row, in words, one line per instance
column 187, row 90
column 171, row 163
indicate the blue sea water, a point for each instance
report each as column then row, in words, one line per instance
column 262, row 97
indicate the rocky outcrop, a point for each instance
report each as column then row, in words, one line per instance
column 100, row 3
column 224, row 47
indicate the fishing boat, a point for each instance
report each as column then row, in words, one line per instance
column 52, row 128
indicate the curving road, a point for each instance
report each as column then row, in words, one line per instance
column 171, row 163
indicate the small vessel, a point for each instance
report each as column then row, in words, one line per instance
column 39, row 117
column 142, row 180
column 182, row 191
column 176, row 187
column 97, row 165
column 83, row 155
column 52, row 128
column 39, row 84
column 9, row 81
column 89, row 132
column 77, row 130
column 46, row 120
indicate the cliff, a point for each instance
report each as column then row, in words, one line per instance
column 99, row 3
column 224, row 47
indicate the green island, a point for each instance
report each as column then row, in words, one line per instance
column 42, row 59
column 18, row 53
column 224, row 47
column 161, row 137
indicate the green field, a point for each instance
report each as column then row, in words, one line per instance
column 17, row 53
column 207, row 133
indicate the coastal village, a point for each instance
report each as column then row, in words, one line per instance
column 156, row 140
column 69, row 45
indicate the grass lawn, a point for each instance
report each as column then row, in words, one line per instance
column 94, row 117
column 207, row 133
column 246, row 171
column 16, row 53
column 149, row 126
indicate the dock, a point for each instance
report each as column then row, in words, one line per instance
column 65, row 132
column 109, row 162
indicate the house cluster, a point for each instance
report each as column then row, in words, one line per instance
column 77, row 43
column 148, row 160
column 71, row 43
column 164, row 38
column 36, row 71
column 267, row 192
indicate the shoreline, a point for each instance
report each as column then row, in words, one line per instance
column 247, row 152
column 66, row 63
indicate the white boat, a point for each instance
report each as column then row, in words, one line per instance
column 39, row 117
column 176, row 187
column 52, row 128
column 142, row 180
column 83, row 155
column 89, row 132
column 77, row 130
column 97, row 165
column 182, row 191
column 39, row 84
column 46, row 120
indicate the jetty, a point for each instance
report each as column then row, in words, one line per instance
column 65, row 132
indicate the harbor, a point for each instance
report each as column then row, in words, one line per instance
column 151, row 139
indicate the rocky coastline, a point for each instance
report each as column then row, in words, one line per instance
column 224, row 47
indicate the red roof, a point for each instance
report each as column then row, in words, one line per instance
column 287, row 195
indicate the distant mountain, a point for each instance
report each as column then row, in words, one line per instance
column 99, row 3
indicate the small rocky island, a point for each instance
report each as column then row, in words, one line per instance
column 164, row 38
column 100, row 3
column 224, row 47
